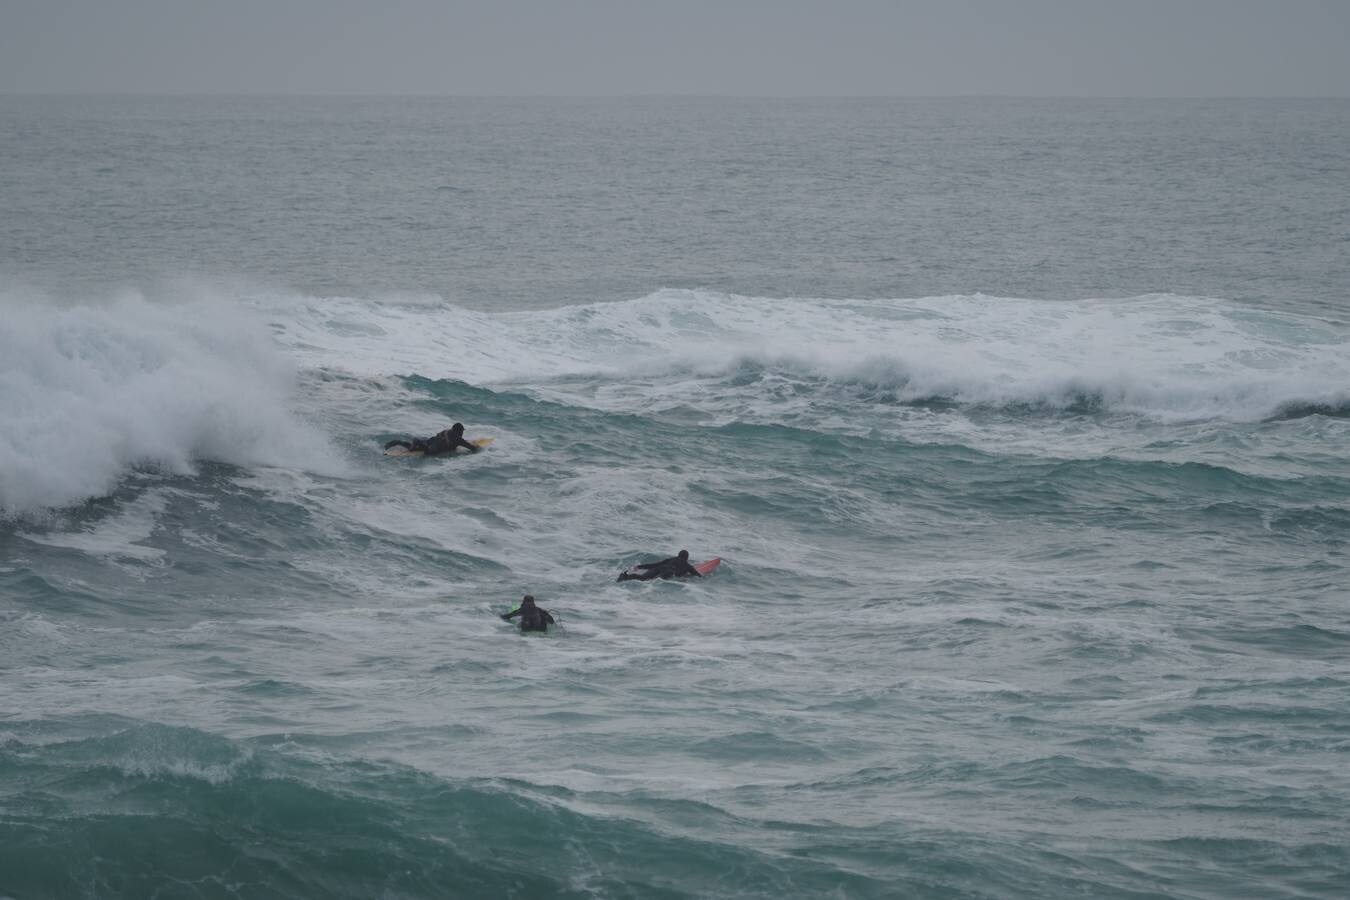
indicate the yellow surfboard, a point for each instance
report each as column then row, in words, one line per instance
column 480, row 443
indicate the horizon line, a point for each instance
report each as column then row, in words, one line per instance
column 657, row 95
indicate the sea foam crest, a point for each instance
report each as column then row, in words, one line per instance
column 1163, row 356
column 89, row 390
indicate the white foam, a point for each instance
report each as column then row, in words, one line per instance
column 1165, row 357
column 89, row 390
column 119, row 535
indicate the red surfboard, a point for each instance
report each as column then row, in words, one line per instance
column 706, row 568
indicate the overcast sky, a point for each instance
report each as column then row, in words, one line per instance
column 1148, row 48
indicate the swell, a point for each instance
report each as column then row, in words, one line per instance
column 128, row 813
column 903, row 465
column 168, row 384
column 1162, row 357
column 1296, row 410
column 823, row 447
column 135, row 809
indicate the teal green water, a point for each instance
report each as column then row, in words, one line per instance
column 1034, row 559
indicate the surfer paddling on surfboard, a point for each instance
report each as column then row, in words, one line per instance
column 675, row 567
column 447, row 441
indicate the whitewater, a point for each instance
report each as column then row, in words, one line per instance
column 1027, row 591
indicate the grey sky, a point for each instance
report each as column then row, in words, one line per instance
column 1153, row 48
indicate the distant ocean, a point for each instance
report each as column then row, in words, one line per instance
column 1022, row 428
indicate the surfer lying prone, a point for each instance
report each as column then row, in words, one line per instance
column 446, row 441
column 675, row 567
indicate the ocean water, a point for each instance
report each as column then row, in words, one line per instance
column 1021, row 428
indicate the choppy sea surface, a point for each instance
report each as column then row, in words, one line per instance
column 1021, row 427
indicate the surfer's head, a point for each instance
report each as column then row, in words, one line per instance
column 684, row 554
column 457, row 429
column 527, row 600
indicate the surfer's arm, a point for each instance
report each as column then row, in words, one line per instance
column 511, row 615
column 659, row 564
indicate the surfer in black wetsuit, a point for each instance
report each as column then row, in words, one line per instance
column 442, row 442
column 532, row 618
column 675, row 567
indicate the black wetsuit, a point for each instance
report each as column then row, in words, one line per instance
column 532, row 618
column 666, row 568
column 444, row 442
